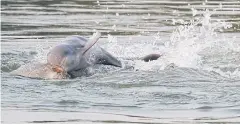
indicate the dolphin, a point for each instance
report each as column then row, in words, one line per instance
column 74, row 54
column 77, row 53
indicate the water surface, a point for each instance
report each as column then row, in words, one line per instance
column 196, row 81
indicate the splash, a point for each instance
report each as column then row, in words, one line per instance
column 42, row 51
column 197, row 44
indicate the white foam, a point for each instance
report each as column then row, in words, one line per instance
column 188, row 46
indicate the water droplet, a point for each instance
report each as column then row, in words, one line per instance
column 114, row 27
column 96, row 22
column 98, row 2
column 174, row 11
column 194, row 11
column 220, row 5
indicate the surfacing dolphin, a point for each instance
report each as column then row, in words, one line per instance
column 78, row 53
column 72, row 55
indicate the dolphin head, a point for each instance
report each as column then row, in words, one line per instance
column 63, row 58
column 68, row 56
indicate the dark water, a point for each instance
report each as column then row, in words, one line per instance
column 200, row 39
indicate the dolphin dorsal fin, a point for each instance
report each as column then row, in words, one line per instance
column 91, row 42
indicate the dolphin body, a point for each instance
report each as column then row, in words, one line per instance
column 75, row 54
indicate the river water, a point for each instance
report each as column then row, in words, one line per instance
column 197, row 79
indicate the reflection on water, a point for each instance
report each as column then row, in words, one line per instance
column 200, row 37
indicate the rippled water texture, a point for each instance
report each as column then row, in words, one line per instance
column 197, row 80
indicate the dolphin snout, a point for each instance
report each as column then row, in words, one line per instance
column 58, row 69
